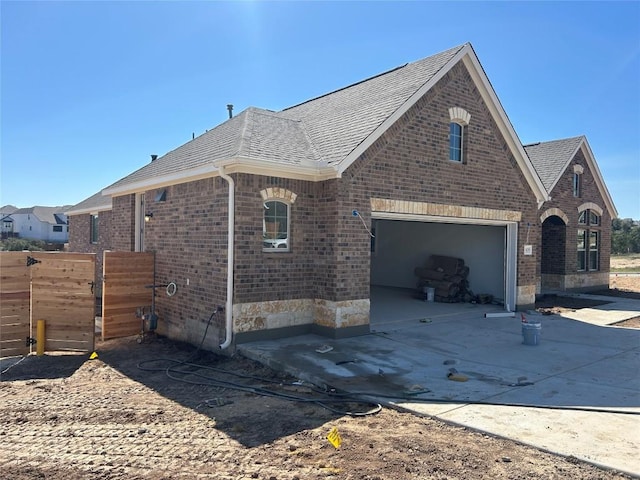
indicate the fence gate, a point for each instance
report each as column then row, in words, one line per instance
column 55, row 287
column 15, row 298
column 127, row 278
column 62, row 293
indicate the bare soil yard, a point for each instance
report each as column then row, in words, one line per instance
column 66, row 417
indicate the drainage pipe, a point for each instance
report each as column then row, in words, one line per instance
column 230, row 249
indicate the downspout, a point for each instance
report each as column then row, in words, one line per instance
column 230, row 249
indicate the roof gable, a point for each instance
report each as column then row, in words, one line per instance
column 340, row 121
column 551, row 159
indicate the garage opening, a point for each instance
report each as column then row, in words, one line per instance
column 401, row 245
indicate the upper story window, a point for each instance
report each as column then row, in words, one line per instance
column 459, row 119
column 94, row 229
column 578, row 170
column 57, row 228
column 455, row 142
column 577, row 184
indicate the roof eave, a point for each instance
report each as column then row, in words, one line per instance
column 468, row 56
column 89, row 210
column 395, row 116
column 183, row 176
column 504, row 125
column 254, row 166
column 599, row 179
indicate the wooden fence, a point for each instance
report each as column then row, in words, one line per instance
column 55, row 287
column 15, row 299
column 127, row 281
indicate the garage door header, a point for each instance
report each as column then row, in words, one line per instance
column 402, row 209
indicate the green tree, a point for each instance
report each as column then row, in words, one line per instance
column 625, row 236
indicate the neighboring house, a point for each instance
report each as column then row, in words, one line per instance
column 6, row 222
column 48, row 224
column 90, row 230
column 289, row 218
column 576, row 222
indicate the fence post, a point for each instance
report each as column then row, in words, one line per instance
column 40, row 338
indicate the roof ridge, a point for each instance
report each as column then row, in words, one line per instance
column 456, row 48
column 344, row 88
column 581, row 137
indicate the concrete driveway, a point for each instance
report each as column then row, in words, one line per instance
column 576, row 393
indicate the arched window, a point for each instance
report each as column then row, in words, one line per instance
column 588, row 244
column 275, row 226
column 459, row 120
column 455, row 142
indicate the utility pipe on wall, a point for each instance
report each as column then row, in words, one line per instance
column 230, row 249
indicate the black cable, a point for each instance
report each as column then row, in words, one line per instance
column 173, row 370
column 333, row 395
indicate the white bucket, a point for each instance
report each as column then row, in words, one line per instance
column 531, row 333
column 431, row 294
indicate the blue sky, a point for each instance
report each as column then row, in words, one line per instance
column 90, row 89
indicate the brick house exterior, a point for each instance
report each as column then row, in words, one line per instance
column 374, row 154
column 560, row 216
column 81, row 236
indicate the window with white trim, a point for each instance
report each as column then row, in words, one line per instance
column 456, row 132
column 275, row 226
column 577, row 184
column 588, row 242
column 459, row 119
column 93, row 235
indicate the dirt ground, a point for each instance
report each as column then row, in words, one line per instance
column 628, row 262
column 164, row 410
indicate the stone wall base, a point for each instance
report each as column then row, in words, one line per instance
column 283, row 318
column 575, row 282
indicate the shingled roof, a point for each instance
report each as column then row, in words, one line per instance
column 316, row 133
column 341, row 120
column 319, row 138
column 95, row 203
column 52, row 215
column 550, row 159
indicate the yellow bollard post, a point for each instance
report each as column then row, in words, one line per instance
column 40, row 338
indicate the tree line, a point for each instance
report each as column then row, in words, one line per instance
column 625, row 236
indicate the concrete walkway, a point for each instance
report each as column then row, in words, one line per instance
column 575, row 393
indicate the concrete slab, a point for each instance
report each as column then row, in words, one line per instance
column 576, row 393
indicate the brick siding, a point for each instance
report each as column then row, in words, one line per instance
column 80, row 239
column 563, row 199
column 330, row 254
